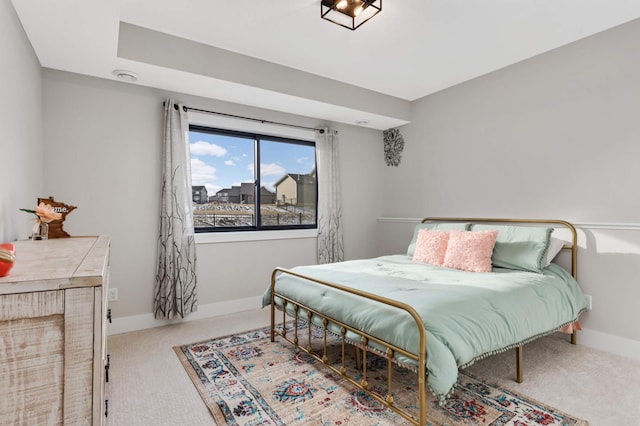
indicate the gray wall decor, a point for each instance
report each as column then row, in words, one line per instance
column 393, row 146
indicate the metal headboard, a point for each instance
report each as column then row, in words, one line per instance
column 556, row 223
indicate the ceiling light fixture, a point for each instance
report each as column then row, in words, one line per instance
column 349, row 13
column 126, row 75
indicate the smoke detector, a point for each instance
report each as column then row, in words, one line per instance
column 126, row 75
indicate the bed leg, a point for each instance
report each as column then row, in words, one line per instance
column 356, row 351
column 273, row 321
column 573, row 338
column 519, row 364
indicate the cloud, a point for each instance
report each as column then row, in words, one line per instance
column 202, row 173
column 272, row 170
column 229, row 163
column 206, row 148
column 269, row 185
column 302, row 160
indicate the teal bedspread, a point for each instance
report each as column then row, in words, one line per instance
column 467, row 315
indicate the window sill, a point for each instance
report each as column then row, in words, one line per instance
column 231, row 237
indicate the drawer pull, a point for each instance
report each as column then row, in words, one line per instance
column 106, row 369
column 109, row 315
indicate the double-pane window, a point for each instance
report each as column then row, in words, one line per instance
column 246, row 181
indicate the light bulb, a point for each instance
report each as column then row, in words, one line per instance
column 358, row 10
column 342, row 4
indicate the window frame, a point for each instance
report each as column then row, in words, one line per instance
column 257, row 228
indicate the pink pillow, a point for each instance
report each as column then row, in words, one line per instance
column 431, row 246
column 470, row 250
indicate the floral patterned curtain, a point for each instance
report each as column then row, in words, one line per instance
column 175, row 287
column 330, row 240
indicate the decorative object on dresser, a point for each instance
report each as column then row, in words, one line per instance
column 53, row 318
column 55, row 227
column 7, row 258
column 45, row 214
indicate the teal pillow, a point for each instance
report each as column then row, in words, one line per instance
column 519, row 247
column 441, row 226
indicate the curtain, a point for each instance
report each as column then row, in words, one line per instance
column 330, row 242
column 175, row 286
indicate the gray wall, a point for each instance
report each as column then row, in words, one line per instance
column 21, row 149
column 103, row 147
column 556, row 136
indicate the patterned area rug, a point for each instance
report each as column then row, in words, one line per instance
column 245, row 379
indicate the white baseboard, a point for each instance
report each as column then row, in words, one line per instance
column 610, row 343
column 143, row 321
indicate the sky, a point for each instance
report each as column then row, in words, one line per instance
column 221, row 161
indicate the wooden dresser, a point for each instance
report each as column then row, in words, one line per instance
column 53, row 307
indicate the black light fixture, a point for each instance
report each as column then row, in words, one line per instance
column 349, row 13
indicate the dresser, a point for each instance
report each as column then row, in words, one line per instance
column 53, row 308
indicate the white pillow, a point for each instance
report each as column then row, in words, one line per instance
column 555, row 247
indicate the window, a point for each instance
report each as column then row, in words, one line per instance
column 248, row 181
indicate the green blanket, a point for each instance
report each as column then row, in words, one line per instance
column 467, row 315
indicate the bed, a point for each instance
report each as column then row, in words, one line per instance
column 467, row 288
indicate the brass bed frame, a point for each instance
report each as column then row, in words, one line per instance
column 391, row 350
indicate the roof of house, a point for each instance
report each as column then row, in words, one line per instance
column 264, row 191
column 299, row 178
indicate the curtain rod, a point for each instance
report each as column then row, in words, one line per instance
column 186, row 108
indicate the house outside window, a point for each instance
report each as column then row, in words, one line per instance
column 257, row 182
column 199, row 194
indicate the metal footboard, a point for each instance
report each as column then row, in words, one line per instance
column 366, row 339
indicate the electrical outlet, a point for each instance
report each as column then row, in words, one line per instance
column 589, row 300
column 113, row 294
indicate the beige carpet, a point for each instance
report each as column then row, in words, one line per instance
column 148, row 385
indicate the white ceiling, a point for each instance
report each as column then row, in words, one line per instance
column 411, row 49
